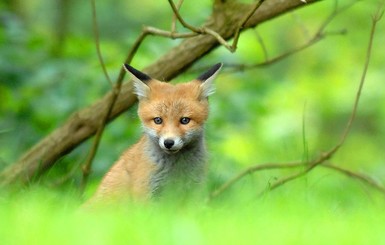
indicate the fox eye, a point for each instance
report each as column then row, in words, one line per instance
column 158, row 120
column 184, row 120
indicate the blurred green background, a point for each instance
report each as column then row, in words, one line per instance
column 291, row 110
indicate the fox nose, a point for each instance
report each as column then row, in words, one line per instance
column 168, row 143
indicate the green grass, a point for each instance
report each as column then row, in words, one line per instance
column 291, row 215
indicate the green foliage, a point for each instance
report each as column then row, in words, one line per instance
column 291, row 110
column 43, row 217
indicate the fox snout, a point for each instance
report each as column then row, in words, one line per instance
column 171, row 144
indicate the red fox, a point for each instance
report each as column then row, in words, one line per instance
column 171, row 151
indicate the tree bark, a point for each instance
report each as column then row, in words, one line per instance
column 83, row 124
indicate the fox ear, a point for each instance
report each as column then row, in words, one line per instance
column 141, row 88
column 207, row 79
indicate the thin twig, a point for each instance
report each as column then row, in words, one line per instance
column 263, row 46
column 319, row 35
column 219, row 38
column 97, row 42
column 86, row 169
column 363, row 178
column 181, row 20
column 174, row 35
column 316, row 38
column 250, row 170
column 95, row 145
column 148, row 30
column 305, row 157
column 242, row 25
column 174, row 17
column 231, row 67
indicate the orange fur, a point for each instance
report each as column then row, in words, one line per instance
column 150, row 164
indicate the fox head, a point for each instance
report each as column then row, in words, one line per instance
column 173, row 115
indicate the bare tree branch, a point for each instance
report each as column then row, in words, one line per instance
column 206, row 30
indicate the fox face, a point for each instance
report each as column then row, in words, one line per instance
column 173, row 115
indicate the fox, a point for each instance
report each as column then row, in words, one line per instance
column 171, row 153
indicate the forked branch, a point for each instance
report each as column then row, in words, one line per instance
column 206, row 30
